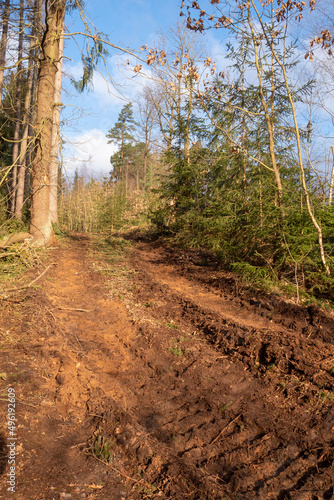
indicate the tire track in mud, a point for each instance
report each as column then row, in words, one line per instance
column 235, row 433
column 203, row 394
column 275, row 434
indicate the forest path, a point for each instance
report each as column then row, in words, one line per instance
column 158, row 363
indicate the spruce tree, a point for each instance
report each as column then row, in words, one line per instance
column 121, row 134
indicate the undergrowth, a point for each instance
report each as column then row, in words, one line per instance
column 109, row 254
column 297, row 282
column 15, row 261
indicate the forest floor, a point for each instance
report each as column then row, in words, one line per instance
column 141, row 371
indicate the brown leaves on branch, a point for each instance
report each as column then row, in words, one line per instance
column 287, row 6
column 326, row 40
column 155, row 56
column 185, row 67
column 197, row 24
column 284, row 7
column 193, row 73
column 225, row 21
column 189, row 70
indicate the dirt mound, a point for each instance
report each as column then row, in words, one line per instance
column 163, row 380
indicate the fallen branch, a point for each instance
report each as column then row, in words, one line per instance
column 29, row 284
column 5, row 254
column 147, row 485
column 226, row 427
column 10, row 239
column 14, row 301
column 21, row 402
column 73, row 309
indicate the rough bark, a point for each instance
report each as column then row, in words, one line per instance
column 3, row 43
column 40, row 224
column 16, row 147
column 55, row 137
column 21, row 176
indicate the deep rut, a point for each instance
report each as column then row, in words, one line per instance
column 203, row 393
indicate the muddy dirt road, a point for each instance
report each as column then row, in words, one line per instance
column 143, row 372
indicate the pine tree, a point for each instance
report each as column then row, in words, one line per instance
column 122, row 134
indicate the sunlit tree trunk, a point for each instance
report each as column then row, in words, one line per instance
column 24, row 146
column 148, row 117
column 16, row 138
column 268, row 119
column 40, row 224
column 188, row 123
column 331, row 183
column 243, row 104
column 21, row 177
column 310, row 211
column 55, row 137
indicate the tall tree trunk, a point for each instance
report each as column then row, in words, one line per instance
column 243, row 105
column 331, row 182
column 16, row 147
column 55, row 136
column 24, row 146
column 269, row 121
column 3, row 43
column 40, row 224
column 311, row 213
column 21, row 177
column 40, row 29
column 188, row 123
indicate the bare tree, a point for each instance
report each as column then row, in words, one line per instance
column 148, row 123
column 175, row 82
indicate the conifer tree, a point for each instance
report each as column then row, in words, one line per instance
column 122, row 134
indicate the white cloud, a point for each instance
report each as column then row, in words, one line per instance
column 89, row 152
column 218, row 52
column 88, row 149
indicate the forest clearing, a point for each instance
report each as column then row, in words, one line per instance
column 141, row 372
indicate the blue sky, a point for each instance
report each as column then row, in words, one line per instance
column 128, row 24
column 87, row 117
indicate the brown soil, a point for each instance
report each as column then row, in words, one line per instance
column 163, row 378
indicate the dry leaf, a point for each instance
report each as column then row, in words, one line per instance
column 95, row 486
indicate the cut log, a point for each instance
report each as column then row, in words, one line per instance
column 9, row 239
